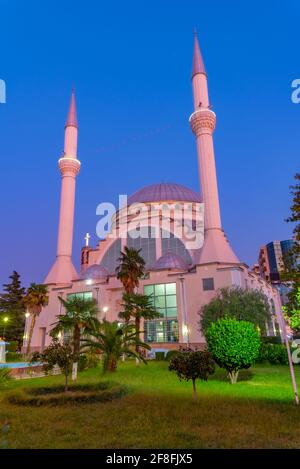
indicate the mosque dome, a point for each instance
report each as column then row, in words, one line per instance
column 164, row 192
column 95, row 272
column 170, row 261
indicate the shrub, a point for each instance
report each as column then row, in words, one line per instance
column 4, row 376
column 273, row 353
column 12, row 346
column 170, row 354
column 82, row 363
column 159, row 356
column 234, row 345
column 276, row 339
column 193, row 365
column 55, row 395
column 12, row 357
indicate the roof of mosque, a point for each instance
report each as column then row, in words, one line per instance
column 164, row 192
column 170, row 261
column 95, row 272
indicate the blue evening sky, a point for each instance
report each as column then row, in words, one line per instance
column 130, row 63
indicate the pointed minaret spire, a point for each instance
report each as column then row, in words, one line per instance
column 72, row 118
column 63, row 270
column 198, row 64
column 216, row 248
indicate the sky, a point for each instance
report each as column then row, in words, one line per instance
column 130, row 63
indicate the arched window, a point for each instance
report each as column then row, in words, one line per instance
column 110, row 258
column 147, row 243
column 174, row 245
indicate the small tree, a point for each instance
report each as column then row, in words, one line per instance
column 113, row 340
column 236, row 302
column 192, row 365
column 56, row 354
column 233, row 344
column 12, row 306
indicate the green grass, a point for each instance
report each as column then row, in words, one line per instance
column 159, row 412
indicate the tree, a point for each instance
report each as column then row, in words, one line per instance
column 12, row 307
column 138, row 306
column 131, row 269
column 79, row 318
column 113, row 339
column 291, row 260
column 35, row 300
column 192, row 365
column 292, row 312
column 56, row 354
column 235, row 302
column 233, row 344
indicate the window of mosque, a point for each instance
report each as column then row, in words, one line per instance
column 146, row 242
column 110, row 258
column 169, row 243
column 84, row 295
column 164, row 329
column 161, row 331
column 208, row 284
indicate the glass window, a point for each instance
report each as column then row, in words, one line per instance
column 170, row 288
column 169, row 243
column 146, row 242
column 159, row 289
column 110, row 258
column 161, row 331
column 85, row 295
column 148, row 289
column 160, row 301
column 171, row 301
column 208, row 284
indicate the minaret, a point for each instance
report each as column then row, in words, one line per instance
column 63, row 270
column 216, row 248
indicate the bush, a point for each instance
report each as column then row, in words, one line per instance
column 273, row 353
column 82, row 363
column 12, row 346
column 276, row 339
column 159, row 356
column 170, row 354
column 4, row 376
column 55, row 395
column 234, row 345
column 193, row 365
column 12, row 357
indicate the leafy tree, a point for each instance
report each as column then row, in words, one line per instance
column 233, row 344
column 292, row 313
column 56, row 354
column 291, row 270
column 131, row 268
column 80, row 316
column 192, row 365
column 235, row 302
column 113, row 340
column 12, row 307
column 35, row 300
column 137, row 306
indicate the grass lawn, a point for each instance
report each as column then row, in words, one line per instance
column 159, row 412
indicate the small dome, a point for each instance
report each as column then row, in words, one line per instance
column 170, row 261
column 164, row 192
column 95, row 272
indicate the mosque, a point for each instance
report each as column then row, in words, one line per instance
column 181, row 278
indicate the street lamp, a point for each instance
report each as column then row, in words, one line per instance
column 5, row 321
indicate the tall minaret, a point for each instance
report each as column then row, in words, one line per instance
column 63, row 270
column 203, row 120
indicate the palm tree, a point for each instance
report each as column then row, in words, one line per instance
column 79, row 319
column 113, row 340
column 36, row 298
column 131, row 268
column 138, row 306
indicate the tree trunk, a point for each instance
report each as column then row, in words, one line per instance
column 66, row 379
column 76, row 351
column 194, row 390
column 137, row 329
column 32, row 324
column 233, row 375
